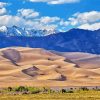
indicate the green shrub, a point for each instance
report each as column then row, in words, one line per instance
column 21, row 89
column 84, row 89
column 63, row 91
column 10, row 88
column 70, row 91
column 34, row 90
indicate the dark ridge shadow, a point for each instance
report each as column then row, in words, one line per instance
column 31, row 71
column 67, row 60
column 12, row 61
column 13, row 55
column 77, row 66
column 63, row 78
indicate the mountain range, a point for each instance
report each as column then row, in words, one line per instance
column 74, row 40
column 17, row 31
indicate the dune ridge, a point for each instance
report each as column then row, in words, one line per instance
column 39, row 67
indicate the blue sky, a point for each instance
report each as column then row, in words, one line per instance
column 51, row 14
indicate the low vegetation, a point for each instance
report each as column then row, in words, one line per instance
column 34, row 93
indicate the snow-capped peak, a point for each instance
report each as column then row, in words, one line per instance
column 17, row 31
column 3, row 29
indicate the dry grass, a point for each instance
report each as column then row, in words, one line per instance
column 89, row 95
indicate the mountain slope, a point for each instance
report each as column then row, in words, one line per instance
column 75, row 40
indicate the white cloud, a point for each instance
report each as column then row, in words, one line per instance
column 86, row 17
column 62, row 1
column 2, row 4
column 28, row 13
column 49, row 27
column 2, row 11
column 48, row 19
column 36, row 24
column 94, row 26
column 51, row 23
column 28, row 18
column 56, row 1
column 64, row 23
column 9, row 20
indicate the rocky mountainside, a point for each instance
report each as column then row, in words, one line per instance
column 74, row 40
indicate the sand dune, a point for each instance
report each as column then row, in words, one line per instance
column 84, row 60
column 39, row 67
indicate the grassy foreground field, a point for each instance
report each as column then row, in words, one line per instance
column 86, row 95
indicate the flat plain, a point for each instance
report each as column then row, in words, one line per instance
column 90, row 95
